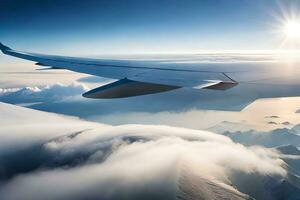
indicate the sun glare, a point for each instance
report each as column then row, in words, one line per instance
column 287, row 31
column 292, row 30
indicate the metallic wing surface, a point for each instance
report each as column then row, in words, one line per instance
column 240, row 80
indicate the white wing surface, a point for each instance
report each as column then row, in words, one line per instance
column 241, row 79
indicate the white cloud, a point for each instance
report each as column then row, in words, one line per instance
column 50, row 93
column 129, row 161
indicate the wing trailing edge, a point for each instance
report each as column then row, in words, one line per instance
column 135, row 77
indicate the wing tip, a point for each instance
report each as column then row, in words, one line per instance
column 3, row 47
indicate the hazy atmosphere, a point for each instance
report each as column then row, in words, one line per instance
column 186, row 143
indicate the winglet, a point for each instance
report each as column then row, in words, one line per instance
column 4, row 48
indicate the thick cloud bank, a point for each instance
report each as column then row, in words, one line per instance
column 94, row 161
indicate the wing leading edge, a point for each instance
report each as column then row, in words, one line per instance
column 135, row 77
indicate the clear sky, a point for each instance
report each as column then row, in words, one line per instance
column 141, row 26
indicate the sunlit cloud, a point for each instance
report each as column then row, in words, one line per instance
column 108, row 162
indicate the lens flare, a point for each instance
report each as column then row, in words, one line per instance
column 292, row 29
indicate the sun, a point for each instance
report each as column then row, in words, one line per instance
column 292, row 29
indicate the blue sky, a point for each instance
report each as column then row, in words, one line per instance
column 134, row 26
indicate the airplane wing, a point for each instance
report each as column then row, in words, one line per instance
column 237, row 82
column 134, row 77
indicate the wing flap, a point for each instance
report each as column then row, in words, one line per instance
column 197, row 80
column 220, row 85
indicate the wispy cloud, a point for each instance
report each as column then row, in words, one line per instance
column 48, row 93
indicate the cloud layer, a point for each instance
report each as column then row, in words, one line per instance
column 56, row 92
column 123, row 162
